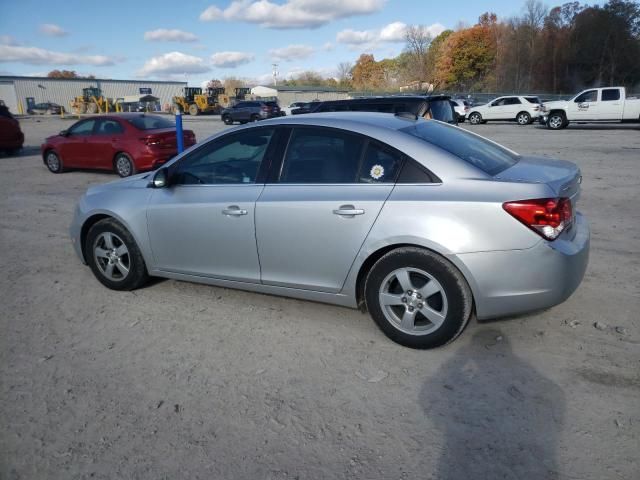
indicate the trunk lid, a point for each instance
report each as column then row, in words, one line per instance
column 165, row 138
column 563, row 177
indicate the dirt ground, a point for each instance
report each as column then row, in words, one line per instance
column 188, row 381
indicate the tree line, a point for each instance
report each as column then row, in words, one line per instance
column 555, row 51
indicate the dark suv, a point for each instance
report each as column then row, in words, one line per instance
column 250, row 111
column 432, row 106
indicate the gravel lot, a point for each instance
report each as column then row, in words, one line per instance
column 188, row 381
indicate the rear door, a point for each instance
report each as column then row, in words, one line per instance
column 611, row 105
column 108, row 135
column 512, row 106
column 312, row 219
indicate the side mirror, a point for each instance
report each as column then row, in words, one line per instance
column 160, row 179
column 64, row 133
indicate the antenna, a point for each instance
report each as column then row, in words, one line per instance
column 275, row 74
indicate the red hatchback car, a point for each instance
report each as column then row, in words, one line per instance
column 126, row 143
column 11, row 137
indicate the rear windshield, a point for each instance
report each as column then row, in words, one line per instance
column 483, row 154
column 151, row 122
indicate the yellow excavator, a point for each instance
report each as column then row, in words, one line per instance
column 92, row 101
column 195, row 102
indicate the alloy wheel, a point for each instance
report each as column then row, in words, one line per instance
column 53, row 162
column 413, row 301
column 112, row 256
column 123, row 166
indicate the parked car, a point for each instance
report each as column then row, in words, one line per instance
column 305, row 107
column 11, row 137
column 126, row 143
column 416, row 221
column 593, row 105
column 461, row 107
column 434, row 106
column 250, row 111
column 46, row 108
column 521, row 109
column 294, row 105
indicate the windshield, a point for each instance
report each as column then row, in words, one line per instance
column 489, row 157
column 151, row 122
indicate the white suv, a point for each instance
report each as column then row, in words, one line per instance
column 522, row 109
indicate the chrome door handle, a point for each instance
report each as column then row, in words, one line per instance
column 234, row 211
column 348, row 210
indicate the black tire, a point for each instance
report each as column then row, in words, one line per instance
column 454, row 299
column 523, row 118
column 255, row 118
column 53, row 162
column 475, row 118
column 557, row 121
column 137, row 274
column 123, row 165
column 227, row 120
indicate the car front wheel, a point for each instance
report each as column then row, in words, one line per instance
column 227, row 119
column 417, row 298
column 53, row 162
column 556, row 121
column 114, row 257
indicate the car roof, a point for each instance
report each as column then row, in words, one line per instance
column 347, row 120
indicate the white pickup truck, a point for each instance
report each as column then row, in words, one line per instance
column 594, row 105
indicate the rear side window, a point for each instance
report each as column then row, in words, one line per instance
column 610, row 94
column 109, row 127
column 320, row 155
column 481, row 153
column 150, row 122
column 512, row 101
column 535, row 100
column 380, row 164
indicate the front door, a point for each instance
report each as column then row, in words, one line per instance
column 584, row 106
column 312, row 221
column 203, row 223
column 77, row 151
column 496, row 109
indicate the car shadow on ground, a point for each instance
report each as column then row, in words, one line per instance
column 497, row 415
column 23, row 152
column 597, row 127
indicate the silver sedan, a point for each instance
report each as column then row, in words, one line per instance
column 418, row 222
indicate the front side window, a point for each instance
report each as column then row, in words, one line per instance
column 498, row 103
column 610, row 95
column 233, row 159
column 82, row 128
column 473, row 149
column 590, row 96
column 322, row 155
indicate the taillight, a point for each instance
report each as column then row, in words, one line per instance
column 548, row 217
column 536, row 108
column 264, row 109
column 151, row 141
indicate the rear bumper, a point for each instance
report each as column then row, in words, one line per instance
column 519, row 281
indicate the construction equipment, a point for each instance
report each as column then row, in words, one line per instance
column 195, row 102
column 92, row 101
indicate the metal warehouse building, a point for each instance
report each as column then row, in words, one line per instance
column 18, row 93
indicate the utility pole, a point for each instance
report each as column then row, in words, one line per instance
column 275, row 74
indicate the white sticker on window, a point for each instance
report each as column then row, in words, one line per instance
column 377, row 172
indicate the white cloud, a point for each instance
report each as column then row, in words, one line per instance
column 292, row 52
column 291, row 13
column 53, row 30
column 328, row 47
column 392, row 33
column 165, row 35
column 173, row 63
column 8, row 40
column 39, row 56
column 231, row 59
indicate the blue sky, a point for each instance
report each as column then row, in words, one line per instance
column 198, row 40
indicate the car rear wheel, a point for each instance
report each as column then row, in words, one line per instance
column 114, row 257
column 255, row 118
column 523, row 118
column 556, row 121
column 227, row 119
column 475, row 118
column 417, row 298
column 53, row 162
column 124, row 165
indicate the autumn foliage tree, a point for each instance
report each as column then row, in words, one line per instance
column 66, row 74
column 367, row 74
